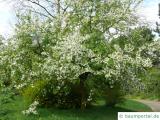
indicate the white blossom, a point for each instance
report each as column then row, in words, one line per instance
column 31, row 109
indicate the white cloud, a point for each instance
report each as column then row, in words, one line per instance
column 6, row 18
column 148, row 12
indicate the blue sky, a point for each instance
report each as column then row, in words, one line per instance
column 148, row 12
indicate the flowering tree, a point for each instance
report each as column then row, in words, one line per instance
column 65, row 60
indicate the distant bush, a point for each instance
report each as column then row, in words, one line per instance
column 152, row 82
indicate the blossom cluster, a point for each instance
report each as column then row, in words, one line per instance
column 31, row 109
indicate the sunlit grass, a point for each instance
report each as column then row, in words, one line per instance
column 97, row 112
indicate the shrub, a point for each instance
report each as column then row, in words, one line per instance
column 47, row 94
column 35, row 91
column 152, row 82
column 6, row 96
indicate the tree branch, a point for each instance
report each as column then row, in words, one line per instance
column 38, row 4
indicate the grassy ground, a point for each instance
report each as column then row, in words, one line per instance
column 98, row 112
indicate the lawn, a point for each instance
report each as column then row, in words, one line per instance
column 98, row 112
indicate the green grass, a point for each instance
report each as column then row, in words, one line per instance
column 98, row 112
column 135, row 106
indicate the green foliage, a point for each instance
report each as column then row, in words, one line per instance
column 153, row 83
column 6, row 96
column 66, row 61
column 48, row 93
column 137, row 37
column 113, row 95
column 36, row 91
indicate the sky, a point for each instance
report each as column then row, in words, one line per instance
column 7, row 18
column 148, row 11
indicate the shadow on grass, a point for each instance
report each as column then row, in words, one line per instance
column 97, row 112
column 93, row 113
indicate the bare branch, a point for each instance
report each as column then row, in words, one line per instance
column 40, row 13
column 44, row 8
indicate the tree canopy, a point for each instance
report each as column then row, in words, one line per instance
column 79, row 49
